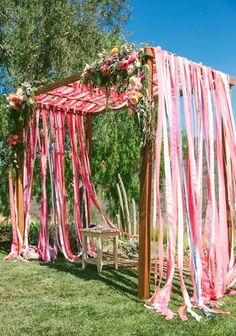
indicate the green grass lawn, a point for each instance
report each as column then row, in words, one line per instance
column 61, row 299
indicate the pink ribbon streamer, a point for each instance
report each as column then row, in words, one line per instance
column 206, row 105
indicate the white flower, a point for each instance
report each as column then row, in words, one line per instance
column 20, row 92
column 137, row 64
column 133, row 80
column 130, row 69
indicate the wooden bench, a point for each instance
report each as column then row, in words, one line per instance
column 100, row 235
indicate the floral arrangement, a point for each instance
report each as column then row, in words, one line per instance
column 15, row 113
column 126, row 71
column 16, row 100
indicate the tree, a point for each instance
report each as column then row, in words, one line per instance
column 47, row 39
column 116, row 150
column 42, row 40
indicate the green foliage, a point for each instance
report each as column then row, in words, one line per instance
column 4, row 132
column 116, row 150
column 46, row 39
column 184, row 143
column 34, row 232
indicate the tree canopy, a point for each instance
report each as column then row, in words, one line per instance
column 47, row 39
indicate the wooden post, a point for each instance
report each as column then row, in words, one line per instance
column 20, row 192
column 145, row 204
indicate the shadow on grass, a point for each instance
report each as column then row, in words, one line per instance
column 122, row 280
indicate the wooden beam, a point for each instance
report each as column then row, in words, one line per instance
column 148, row 51
column 232, row 81
column 145, row 206
column 61, row 82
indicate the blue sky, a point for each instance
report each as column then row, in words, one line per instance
column 201, row 30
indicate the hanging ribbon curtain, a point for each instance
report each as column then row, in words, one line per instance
column 206, row 113
column 50, row 142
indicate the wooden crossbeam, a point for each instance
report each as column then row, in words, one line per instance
column 58, row 83
column 149, row 52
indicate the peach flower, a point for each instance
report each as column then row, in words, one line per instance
column 133, row 100
column 138, row 95
column 115, row 51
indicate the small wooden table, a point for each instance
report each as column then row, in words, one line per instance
column 100, row 235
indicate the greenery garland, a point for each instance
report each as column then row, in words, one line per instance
column 16, row 110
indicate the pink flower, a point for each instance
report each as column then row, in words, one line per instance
column 133, row 57
column 105, row 69
column 10, row 141
column 109, row 60
column 123, row 64
column 115, row 57
column 16, row 99
column 138, row 87
column 142, row 76
column 14, row 106
column 13, row 140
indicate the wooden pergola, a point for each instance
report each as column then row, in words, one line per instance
column 145, row 175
